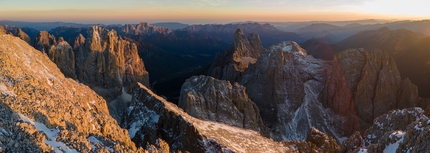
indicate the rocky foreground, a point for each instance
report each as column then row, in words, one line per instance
column 43, row 111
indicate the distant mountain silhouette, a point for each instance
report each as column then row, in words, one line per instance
column 171, row 25
column 42, row 25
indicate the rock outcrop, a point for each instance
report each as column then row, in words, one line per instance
column 150, row 118
column 145, row 29
column 108, row 63
column 42, row 111
column 62, row 54
column 2, row 30
column 44, row 41
column 370, row 82
column 21, row 34
column 230, row 64
column 285, row 84
column 403, row 130
column 210, row 99
column 323, row 142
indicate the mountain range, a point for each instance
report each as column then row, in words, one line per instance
column 245, row 87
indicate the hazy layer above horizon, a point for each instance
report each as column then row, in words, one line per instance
column 210, row 11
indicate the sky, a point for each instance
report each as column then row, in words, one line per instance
column 211, row 11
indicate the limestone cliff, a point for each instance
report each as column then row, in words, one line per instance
column 44, row 41
column 21, row 34
column 285, row 84
column 230, row 64
column 42, row 111
column 210, row 99
column 108, row 63
column 151, row 118
column 62, row 54
column 370, row 82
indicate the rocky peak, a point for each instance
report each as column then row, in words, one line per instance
column 145, row 29
column 285, row 85
column 207, row 98
column 42, row 111
column 43, row 41
column 21, row 34
column 62, row 54
column 110, row 65
column 235, row 60
column 2, row 30
column 79, row 41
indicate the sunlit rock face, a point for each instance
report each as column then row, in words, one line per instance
column 207, row 98
column 62, row 54
column 109, row 62
column 104, row 61
column 151, row 118
column 21, row 34
column 230, row 64
column 43, row 111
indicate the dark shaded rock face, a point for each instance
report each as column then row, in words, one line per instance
column 286, row 84
column 151, row 118
column 106, row 61
column 370, row 81
column 403, row 130
column 43, row 41
column 207, row 98
column 230, row 64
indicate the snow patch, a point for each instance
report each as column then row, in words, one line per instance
column 5, row 91
column 51, row 135
column 393, row 147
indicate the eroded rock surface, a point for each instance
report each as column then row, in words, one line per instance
column 22, row 35
column 44, row 41
column 145, row 29
column 210, row 99
column 230, row 64
column 404, row 130
column 151, row 117
column 42, row 111
column 62, row 54
column 370, row 81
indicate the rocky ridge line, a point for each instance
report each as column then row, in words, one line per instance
column 34, row 98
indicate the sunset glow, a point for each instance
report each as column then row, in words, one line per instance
column 210, row 11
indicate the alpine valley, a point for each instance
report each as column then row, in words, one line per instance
column 315, row 87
